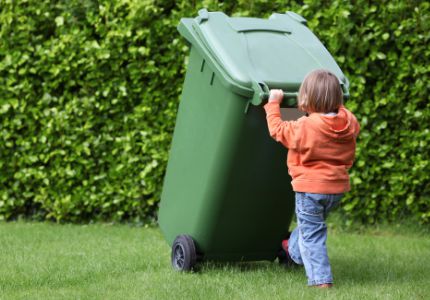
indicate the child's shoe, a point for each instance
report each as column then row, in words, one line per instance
column 284, row 257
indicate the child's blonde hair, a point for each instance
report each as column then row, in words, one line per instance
column 320, row 92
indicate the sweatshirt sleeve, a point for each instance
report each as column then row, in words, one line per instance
column 285, row 132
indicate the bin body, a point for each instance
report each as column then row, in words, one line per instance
column 227, row 183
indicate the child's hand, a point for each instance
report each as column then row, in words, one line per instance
column 276, row 96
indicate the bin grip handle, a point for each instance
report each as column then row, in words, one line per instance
column 289, row 99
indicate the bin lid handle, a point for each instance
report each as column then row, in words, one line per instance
column 258, row 25
column 262, row 93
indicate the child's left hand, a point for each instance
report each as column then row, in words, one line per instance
column 276, row 96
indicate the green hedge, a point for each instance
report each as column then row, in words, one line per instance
column 89, row 92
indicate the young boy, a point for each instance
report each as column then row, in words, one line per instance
column 321, row 150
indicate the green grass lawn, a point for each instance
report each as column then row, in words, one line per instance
column 48, row 261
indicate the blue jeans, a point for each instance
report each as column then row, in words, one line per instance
column 307, row 243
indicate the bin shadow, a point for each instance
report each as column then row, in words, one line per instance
column 248, row 266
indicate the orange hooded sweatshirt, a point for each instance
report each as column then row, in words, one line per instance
column 321, row 148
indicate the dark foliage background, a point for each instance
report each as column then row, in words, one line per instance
column 89, row 92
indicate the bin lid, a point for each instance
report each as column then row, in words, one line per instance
column 251, row 55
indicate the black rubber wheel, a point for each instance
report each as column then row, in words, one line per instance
column 184, row 256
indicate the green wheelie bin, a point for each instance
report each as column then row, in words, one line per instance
column 227, row 194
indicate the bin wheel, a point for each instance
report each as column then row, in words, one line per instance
column 184, row 255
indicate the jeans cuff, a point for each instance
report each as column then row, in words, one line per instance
column 320, row 281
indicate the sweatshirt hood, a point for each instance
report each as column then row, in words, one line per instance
column 340, row 126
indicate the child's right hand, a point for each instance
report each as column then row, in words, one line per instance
column 276, row 96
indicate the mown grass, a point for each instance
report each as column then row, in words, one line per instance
column 49, row 261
